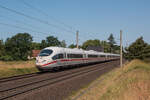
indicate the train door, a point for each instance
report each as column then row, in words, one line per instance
column 65, row 59
column 58, row 58
column 84, row 58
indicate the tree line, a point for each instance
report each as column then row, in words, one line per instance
column 20, row 46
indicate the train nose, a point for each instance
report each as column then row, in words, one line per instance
column 41, row 60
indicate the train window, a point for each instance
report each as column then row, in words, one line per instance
column 78, row 56
column 45, row 52
column 102, row 55
column 58, row 56
column 64, row 55
column 92, row 56
column 75, row 55
column 55, row 57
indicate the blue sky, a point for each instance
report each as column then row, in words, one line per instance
column 95, row 19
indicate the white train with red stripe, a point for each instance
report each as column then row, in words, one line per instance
column 56, row 57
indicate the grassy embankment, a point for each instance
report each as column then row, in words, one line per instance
column 13, row 68
column 130, row 83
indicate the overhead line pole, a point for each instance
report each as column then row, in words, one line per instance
column 77, row 39
column 121, row 48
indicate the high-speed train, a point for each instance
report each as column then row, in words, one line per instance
column 56, row 57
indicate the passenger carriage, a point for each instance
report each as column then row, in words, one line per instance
column 56, row 57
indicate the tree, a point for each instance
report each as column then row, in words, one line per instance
column 19, row 46
column 63, row 43
column 87, row 43
column 106, row 46
column 43, row 44
column 72, row 46
column 116, row 49
column 146, row 52
column 36, row 46
column 111, row 42
column 52, row 41
column 1, row 48
column 111, row 39
column 137, row 50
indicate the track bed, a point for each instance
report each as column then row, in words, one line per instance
column 53, row 85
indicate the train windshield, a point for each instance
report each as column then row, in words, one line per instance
column 45, row 52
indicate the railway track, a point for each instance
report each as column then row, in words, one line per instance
column 17, row 89
column 18, row 77
column 23, row 76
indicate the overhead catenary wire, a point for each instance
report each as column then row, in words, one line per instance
column 41, row 20
column 18, row 27
column 47, row 15
column 20, row 22
column 44, row 13
column 34, row 18
column 38, row 37
column 29, row 25
column 4, row 36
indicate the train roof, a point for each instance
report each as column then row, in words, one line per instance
column 69, row 50
column 75, row 50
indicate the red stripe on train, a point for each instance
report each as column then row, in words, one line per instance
column 50, row 63
column 63, row 60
